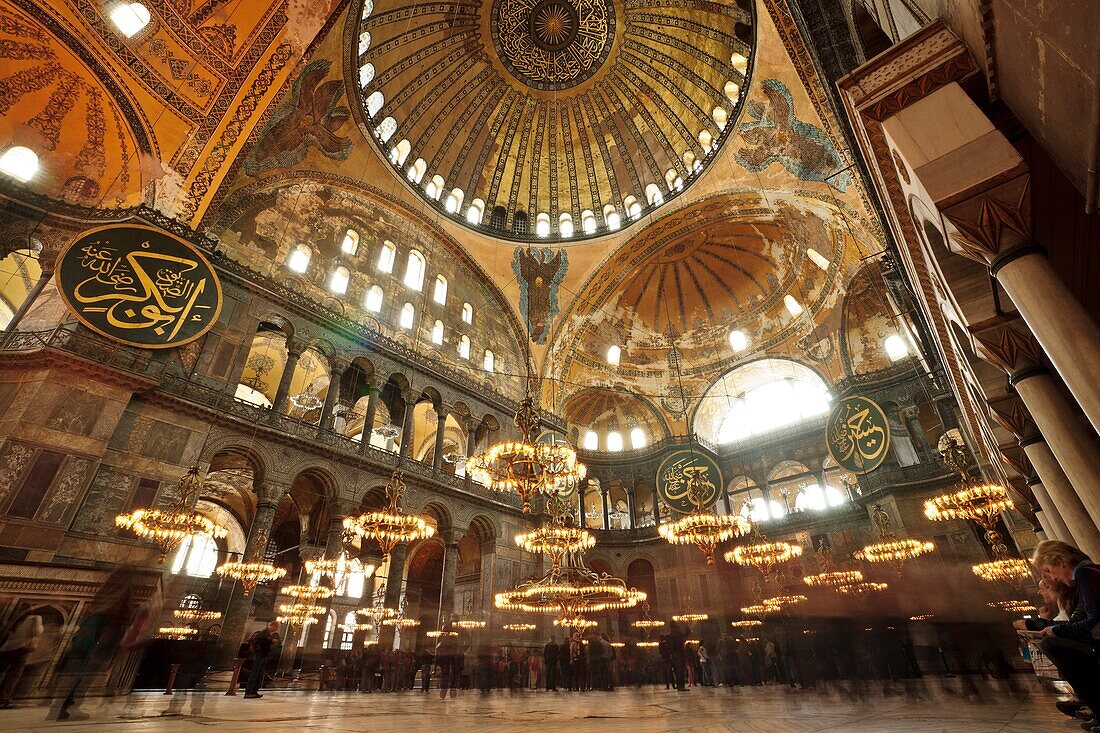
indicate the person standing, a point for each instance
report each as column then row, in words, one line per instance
column 550, row 658
column 22, row 640
column 677, row 660
column 261, row 642
column 705, row 678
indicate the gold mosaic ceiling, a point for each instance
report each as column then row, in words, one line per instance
column 539, row 111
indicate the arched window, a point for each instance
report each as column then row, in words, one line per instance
column 895, row 346
column 347, row 631
column 673, row 179
column 739, row 62
column 637, row 438
column 368, row 8
column 130, row 18
column 417, row 170
column 613, row 355
column 373, row 300
column 298, row 261
column 614, row 441
column 814, row 498
column 738, row 340
column 400, row 152
column 653, row 194
column 489, row 362
column 350, row 245
column 792, row 305
column 476, row 212
column 520, row 224
column 632, row 207
column 464, row 346
column 364, row 42
column 19, row 162
column 542, row 224
column 434, row 189
column 385, row 129
column 375, row 102
column 366, row 74
column 414, row 270
column 355, row 584
column 565, row 225
column 817, row 258
column 440, row 294
column 454, row 201
column 408, row 316
column 437, row 333
column 614, row 221
column 387, row 256
column 719, row 115
column 706, row 141
column 498, row 219
column 689, row 160
column 760, row 397
column 338, row 281
column 732, row 91
column 467, row 313
column 330, row 627
column 196, row 556
column 588, row 222
column 591, row 441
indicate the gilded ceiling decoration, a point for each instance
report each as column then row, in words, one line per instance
column 604, row 410
column 551, row 119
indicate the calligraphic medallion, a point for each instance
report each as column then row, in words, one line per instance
column 139, row 285
column 858, row 434
column 688, row 480
column 553, row 44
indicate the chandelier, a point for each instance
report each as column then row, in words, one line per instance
column 195, row 614
column 746, row 623
column 168, row 527
column 519, row 627
column 468, row 624
column 390, row 527
column 784, row 601
column 358, row 626
column 528, row 467
column 176, row 632
column 440, row 634
column 830, row 577
column 705, row 529
column 307, row 593
column 983, row 505
column 891, row 549
column 861, row 588
column 763, row 556
column 759, row 609
column 340, row 567
column 580, row 623
column 252, row 572
column 647, row 623
column 1013, row 606
column 555, row 540
column 299, row 614
column 923, row 617
column 401, row 622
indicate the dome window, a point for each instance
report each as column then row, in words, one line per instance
column 613, row 355
column 350, row 245
column 653, row 195
column 408, row 316
column 632, row 207
column 542, row 224
column 373, row 301
column 437, row 333
column 366, row 74
column 417, row 170
column 299, row 258
column 591, row 441
column 738, row 340
column 614, row 441
column 792, row 305
column 385, row 129
column 386, row 257
column 614, row 221
column 434, row 188
column 637, row 439
column 565, row 225
column 896, row 347
column 706, row 141
column 130, row 18
column 338, row 281
column 588, row 222
column 817, row 259
column 733, row 92
column 19, row 162
column 454, row 201
column 739, row 62
column 364, row 42
column 720, row 116
column 476, row 212
column 400, row 152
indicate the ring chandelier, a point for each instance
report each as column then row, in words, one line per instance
column 390, row 527
column 168, row 527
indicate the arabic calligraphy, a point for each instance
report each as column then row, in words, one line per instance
column 553, row 44
column 139, row 285
column 858, row 434
column 688, row 481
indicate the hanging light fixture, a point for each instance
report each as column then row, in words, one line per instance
column 391, row 526
column 890, row 549
column 861, row 589
column 168, row 527
column 830, row 576
column 1013, row 606
column 519, row 627
column 647, row 623
column 195, row 614
column 746, row 623
column 307, row 593
column 579, row 623
column 468, row 624
column 253, row 572
column 763, row 556
column 176, row 632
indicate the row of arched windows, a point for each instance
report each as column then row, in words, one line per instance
column 476, row 212
column 613, row 441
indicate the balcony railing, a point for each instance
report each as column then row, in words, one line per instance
column 87, row 346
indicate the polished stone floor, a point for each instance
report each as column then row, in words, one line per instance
column 982, row 708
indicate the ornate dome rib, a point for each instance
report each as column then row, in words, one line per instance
column 551, row 119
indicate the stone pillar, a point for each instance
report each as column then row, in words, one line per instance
column 394, row 586
column 35, row 291
column 450, row 571
column 408, row 427
column 1048, row 516
column 440, row 430
column 334, row 536
column 368, row 420
column 581, row 490
column 632, row 521
column 235, row 623
column 1067, row 507
column 604, row 492
column 336, row 372
column 293, row 354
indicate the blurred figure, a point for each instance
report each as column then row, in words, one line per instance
column 1074, row 646
column 262, row 642
column 550, row 657
column 705, row 678
column 22, row 641
column 677, row 661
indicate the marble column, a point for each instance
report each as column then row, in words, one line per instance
column 368, row 419
column 293, row 354
column 394, row 585
column 408, row 426
column 1077, row 453
column 632, row 521
column 332, row 395
column 1048, row 516
column 606, row 524
column 440, row 431
column 581, row 490
column 235, row 623
column 450, row 571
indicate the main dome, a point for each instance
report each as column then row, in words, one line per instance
column 551, row 119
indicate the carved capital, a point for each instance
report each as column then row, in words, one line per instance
column 992, row 225
column 411, row 397
column 338, row 365
column 1014, row 456
column 1011, row 414
column 1010, row 347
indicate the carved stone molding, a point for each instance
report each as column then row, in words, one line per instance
column 994, row 224
column 1011, row 414
column 1009, row 346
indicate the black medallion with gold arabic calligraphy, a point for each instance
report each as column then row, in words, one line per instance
column 858, row 434
column 139, row 285
column 689, row 480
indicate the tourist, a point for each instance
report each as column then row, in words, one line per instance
column 21, row 641
column 677, row 660
column 550, row 656
column 704, row 666
column 534, row 670
column 608, row 655
column 261, row 644
column 565, row 663
column 1074, row 646
column 596, row 663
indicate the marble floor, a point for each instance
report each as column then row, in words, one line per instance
column 987, row 708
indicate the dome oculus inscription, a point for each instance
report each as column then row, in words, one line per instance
column 553, row 44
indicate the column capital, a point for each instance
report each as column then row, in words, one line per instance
column 411, row 396
column 1014, row 456
column 441, row 412
column 294, row 348
column 993, row 227
column 1009, row 346
column 1009, row 412
column 338, row 365
column 272, row 491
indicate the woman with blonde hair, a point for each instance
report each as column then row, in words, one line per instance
column 1074, row 646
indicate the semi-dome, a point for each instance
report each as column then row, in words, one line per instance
column 551, row 119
